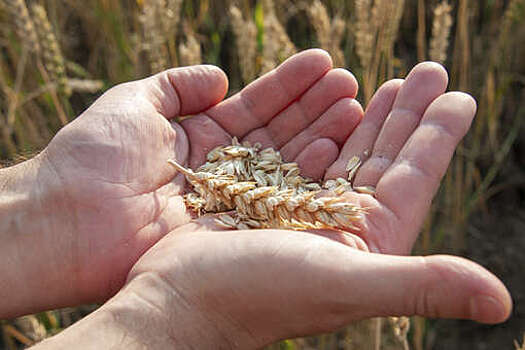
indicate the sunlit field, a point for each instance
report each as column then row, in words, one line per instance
column 58, row 56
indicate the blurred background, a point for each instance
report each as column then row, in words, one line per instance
column 58, row 56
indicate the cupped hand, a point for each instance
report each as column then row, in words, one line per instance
column 200, row 287
column 116, row 194
column 245, row 289
column 250, row 288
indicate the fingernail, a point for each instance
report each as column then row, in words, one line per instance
column 486, row 309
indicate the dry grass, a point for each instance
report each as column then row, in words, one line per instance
column 79, row 47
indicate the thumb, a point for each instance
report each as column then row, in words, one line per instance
column 186, row 90
column 435, row 286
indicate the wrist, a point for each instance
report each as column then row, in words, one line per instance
column 146, row 313
column 29, row 270
column 21, row 197
column 175, row 316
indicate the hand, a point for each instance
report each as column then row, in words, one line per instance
column 199, row 287
column 108, row 193
column 205, row 289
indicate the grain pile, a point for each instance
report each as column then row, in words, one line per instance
column 254, row 188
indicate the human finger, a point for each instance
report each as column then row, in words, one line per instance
column 335, row 85
column 424, row 84
column 418, row 169
column 316, row 157
column 361, row 141
column 186, row 90
column 336, row 124
column 264, row 98
column 322, row 284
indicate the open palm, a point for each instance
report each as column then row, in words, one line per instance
column 405, row 142
column 116, row 191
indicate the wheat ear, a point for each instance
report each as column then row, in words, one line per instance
column 440, row 32
column 277, row 45
column 270, row 206
column 23, row 24
column 246, row 39
column 329, row 32
column 50, row 49
column 153, row 33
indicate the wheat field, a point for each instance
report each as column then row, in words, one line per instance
column 58, row 56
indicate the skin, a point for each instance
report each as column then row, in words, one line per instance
column 102, row 195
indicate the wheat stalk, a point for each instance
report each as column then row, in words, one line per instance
column 169, row 20
column 50, row 49
column 85, row 85
column 440, row 32
column 321, row 22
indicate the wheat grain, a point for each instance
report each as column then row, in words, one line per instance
column 50, row 49
column 440, row 32
column 353, row 165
